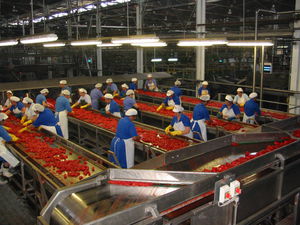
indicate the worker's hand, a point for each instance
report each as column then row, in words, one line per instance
column 23, row 119
column 27, row 123
column 122, row 99
column 168, row 128
column 73, row 106
column 219, row 116
column 6, row 128
column 241, row 105
column 13, row 137
column 169, row 107
column 159, row 108
column 231, row 118
column 84, row 106
column 116, row 95
column 3, row 142
column 39, row 128
column 176, row 132
column 23, row 129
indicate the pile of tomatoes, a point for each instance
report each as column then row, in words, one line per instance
column 152, row 93
column 296, row 133
column 229, row 126
column 276, row 115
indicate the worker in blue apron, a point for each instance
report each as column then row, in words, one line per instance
column 41, row 98
column 203, row 90
column 150, row 84
column 123, row 143
column 45, row 120
column 176, row 88
column 96, row 94
column 251, row 109
column 170, row 101
column 129, row 102
column 17, row 108
column 124, row 90
column 111, row 108
column 200, row 115
column 229, row 111
column 111, row 88
column 63, row 84
column 29, row 115
column 133, row 85
column 241, row 98
column 84, row 101
column 180, row 123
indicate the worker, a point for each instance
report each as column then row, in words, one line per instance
column 7, row 103
column 180, row 123
column 203, row 90
column 150, row 83
column 111, row 108
column 63, row 84
column 229, row 111
column 111, row 88
column 251, row 109
column 123, row 143
column 29, row 115
column 7, row 159
column 45, row 120
column 200, row 115
column 17, row 107
column 129, row 102
column 133, row 85
column 84, row 101
column 62, row 108
column 176, row 88
column 124, row 90
column 241, row 98
column 96, row 94
column 41, row 98
column 170, row 101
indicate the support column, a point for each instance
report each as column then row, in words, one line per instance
column 295, row 67
column 200, row 51
column 99, row 50
column 139, row 31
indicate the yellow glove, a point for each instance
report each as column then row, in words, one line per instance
column 39, row 128
column 6, row 128
column 73, row 106
column 176, row 132
column 23, row 129
column 159, row 108
column 13, row 137
column 116, row 95
column 169, row 107
column 122, row 99
column 27, row 122
column 84, row 106
column 23, row 119
column 242, row 104
column 168, row 128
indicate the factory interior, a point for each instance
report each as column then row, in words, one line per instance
column 150, row 112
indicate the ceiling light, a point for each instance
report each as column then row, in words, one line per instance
column 108, row 45
column 86, row 42
column 201, row 42
column 156, row 60
column 8, row 42
column 54, row 44
column 136, row 39
column 39, row 39
column 154, row 44
column 250, row 43
column 172, row 59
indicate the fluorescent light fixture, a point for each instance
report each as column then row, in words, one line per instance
column 172, row 60
column 196, row 42
column 108, row 45
column 249, row 43
column 39, row 39
column 154, row 44
column 54, row 44
column 86, row 42
column 156, row 60
column 136, row 39
column 8, row 43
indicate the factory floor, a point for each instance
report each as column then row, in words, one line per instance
column 13, row 209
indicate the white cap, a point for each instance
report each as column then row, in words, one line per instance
column 44, row 91
column 253, row 95
column 3, row 116
column 170, row 92
column 204, row 83
column 108, row 96
column 178, row 108
column 9, row 91
column 66, row 92
column 130, row 92
column 63, row 82
column 98, row 85
column 134, row 79
column 124, row 86
column 27, row 100
column 38, row 107
column 82, row 90
column 109, row 80
column 177, row 83
column 205, row 98
column 14, row 99
column 149, row 75
column 229, row 98
column 240, row 90
column 131, row 112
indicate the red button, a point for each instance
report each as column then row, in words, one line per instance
column 238, row 191
column 227, row 195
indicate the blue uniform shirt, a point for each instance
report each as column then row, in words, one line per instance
column 150, row 81
column 183, row 118
column 175, row 99
column 40, row 99
column 123, row 93
column 114, row 107
column 200, row 112
column 126, row 129
column 234, row 107
column 62, row 103
column 177, row 91
column 4, row 134
column 111, row 88
column 133, row 86
column 19, row 105
column 128, row 103
column 203, row 89
column 45, row 118
column 67, row 88
column 251, row 107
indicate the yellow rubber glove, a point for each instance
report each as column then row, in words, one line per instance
column 73, row 106
column 168, row 128
column 23, row 129
column 84, row 106
column 176, row 132
column 13, row 137
column 23, row 119
column 116, row 95
column 27, row 122
column 6, row 128
column 242, row 105
column 122, row 99
column 159, row 108
column 169, row 107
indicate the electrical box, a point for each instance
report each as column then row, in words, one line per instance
column 235, row 188
column 224, row 194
